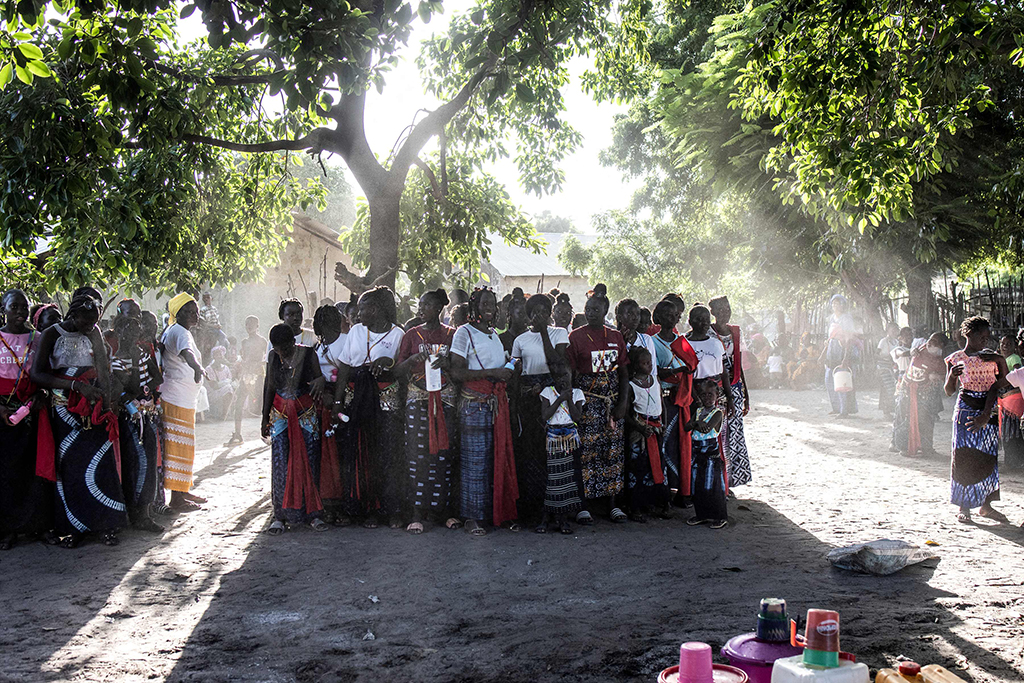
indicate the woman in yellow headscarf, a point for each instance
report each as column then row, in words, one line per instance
column 183, row 376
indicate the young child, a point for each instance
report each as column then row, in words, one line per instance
column 645, row 487
column 776, row 369
column 561, row 408
column 708, row 470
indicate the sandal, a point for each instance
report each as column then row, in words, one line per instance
column 235, row 439
column 184, row 506
column 199, row 500
column 415, row 528
column 110, row 538
column 276, row 528
column 995, row 516
column 473, row 528
column 696, row 521
column 71, row 541
column 720, row 524
column 514, row 527
column 964, row 517
column 564, row 527
column 453, row 523
column 318, row 525
column 618, row 516
column 342, row 520
column 583, row 518
column 541, row 528
column 370, row 523
column 395, row 523
column 162, row 509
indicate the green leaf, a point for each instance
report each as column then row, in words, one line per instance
column 186, row 11
column 424, row 11
column 24, row 75
column 66, row 46
column 135, row 26
column 39, row 69
column 30, row 51
column 6, row 74
column 525, row 93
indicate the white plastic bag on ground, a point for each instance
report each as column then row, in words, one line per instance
column 882, row 557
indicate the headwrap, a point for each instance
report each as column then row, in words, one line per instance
column 175, row 304
column 39, row 313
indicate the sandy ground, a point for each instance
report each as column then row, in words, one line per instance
column 215, row 599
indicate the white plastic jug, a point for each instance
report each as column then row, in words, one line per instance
column 793, row 670
column 842, row 380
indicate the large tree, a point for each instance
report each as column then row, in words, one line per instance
column 497, row 69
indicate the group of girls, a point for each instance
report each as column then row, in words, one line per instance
column 478, row 427
column 81, row 423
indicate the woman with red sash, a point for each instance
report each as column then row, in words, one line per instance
column 373, row 466
column 489, row 485
column 734, row 443
column 291, row 422
column 26, row 459
column 72, row 362
column 917, row 403
column 430, row 418
column 331, row 330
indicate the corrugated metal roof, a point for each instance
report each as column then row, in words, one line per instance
column 518, row 262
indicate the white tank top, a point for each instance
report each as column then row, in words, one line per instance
column 647, row 401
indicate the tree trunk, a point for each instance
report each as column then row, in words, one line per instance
column 385, row 234
column 920, row 302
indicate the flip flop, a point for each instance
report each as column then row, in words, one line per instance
column 720, row 524
column 583, row 518
column 415, row 528
column 964, row 518
column 995, row 516
column 185, row 506
column 276, row 528
column 565, row 527
column 318, row 525
column 370, row 523
column 453, row 523
column 194, row 498
column 696, row 521
column 541, row 529
column 618, row 516
column 473, row 528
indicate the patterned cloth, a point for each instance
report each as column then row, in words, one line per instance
column 641, row 490
column 528, row 438
column 476, row 427
column 89, row 495
column 602, row 453
column 886, row 386
column 429, row 475
column 562, row 492
column 975, row 472
column 280, row 452
column 670, row 442
column 138, row 464
column 734, row 443
column 707, row 482
column 179, row 427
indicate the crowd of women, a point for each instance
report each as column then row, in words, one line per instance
column 504, row 418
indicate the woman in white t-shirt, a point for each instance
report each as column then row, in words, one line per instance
column 327, row 326
column 710, row 353
column 489, row 484
column 540, row 347
column 372, row 455
column 183, row 376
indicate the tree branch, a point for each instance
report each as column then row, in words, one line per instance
column 313, row 142
column 220, row 80
column 436, row 189
column 350, row 142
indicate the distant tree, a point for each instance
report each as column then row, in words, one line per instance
column 546, row 221
column 575, row 256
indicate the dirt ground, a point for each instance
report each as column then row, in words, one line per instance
column 215, row 599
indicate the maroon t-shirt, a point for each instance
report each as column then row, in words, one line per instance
column 593, row 351
column 419, row 339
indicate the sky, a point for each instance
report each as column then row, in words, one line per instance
column 589, row 188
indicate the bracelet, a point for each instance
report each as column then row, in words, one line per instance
column 392, row 364
column 72, row 385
